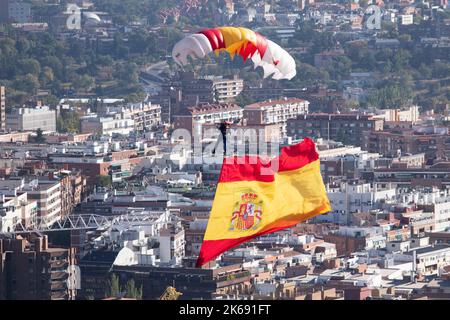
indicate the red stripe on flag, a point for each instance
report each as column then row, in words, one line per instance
column 246, row 168
column 253, row 168
column 297, row 156
column 212, row 248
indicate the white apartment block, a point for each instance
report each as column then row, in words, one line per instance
column 411, row 114
column 16, row 208
column 31, row 119
column 227, row 89
column 434, row 205
column 144, row 114
column 430, row 260
column 171, row 246
column 435, row 201
column 118, row 124
column 48, row 197
column 348, row 198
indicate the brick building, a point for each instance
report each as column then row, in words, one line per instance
column 346, row 244
column 346, row 128
column 194, row 118
column 31, row 270
column 393, row 142
column 275, row 112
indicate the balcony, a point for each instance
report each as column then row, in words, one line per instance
column 58, row 285
column 59, row 263
column 58, row 275
column 59, row 295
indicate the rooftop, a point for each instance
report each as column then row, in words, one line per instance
column 429, row 249
column 259, row 105
column 211, row 108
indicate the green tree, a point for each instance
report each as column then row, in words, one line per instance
column 132, row 291
column 28, row 84
column 322, row 41
column 127, row 73
column 54, row 63
column 129, row 291
column 242, row 100
column 113, row 289
column 47, row 76
column 30, row 66
column 40, row 136
column 69, row 121
column 83, row 82
column 104, row 181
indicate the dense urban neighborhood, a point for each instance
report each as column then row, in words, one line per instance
column 108, row 166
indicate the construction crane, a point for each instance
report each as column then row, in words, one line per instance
column 170, row 294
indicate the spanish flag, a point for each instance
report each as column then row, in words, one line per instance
column 255, row 197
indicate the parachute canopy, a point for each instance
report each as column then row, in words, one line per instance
column 237, row 41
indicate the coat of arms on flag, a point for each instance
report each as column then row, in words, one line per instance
column 247, row 212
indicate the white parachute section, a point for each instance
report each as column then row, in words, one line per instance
column 194, row 46
column 276, row 61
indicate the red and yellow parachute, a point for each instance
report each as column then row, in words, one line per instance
column 237, row 41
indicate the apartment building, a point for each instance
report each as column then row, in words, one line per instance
column 19, row 12
column 275, row 112
column 431, row 259
column 437, row 175
column 31, row 270
column 435, row 145
column 2, row 108
column 190, row 90
column 117, row 124
column 346, row 128
column 73, row 189
column 31, row 119
column 171, row 245
column 209, row 114
column 440, row 207
column 15, row 208
column 211, row 89
column 48, row 197
column 146, row 115
column 349, row 197
column 352, row 239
